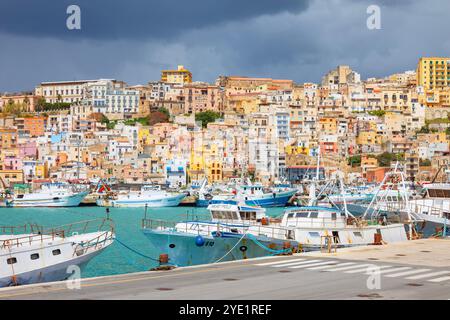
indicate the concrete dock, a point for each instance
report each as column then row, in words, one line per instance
column 417, row 269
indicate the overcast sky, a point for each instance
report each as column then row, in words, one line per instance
column 294, row 39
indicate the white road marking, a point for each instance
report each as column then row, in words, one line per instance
column 439, row 279
column 277, row 262
column 332, row 266
column 348, row 268
column 368, row 268
column 428, row 275
column 295, row 263
column 407, row 273
column 312, row 265
column 394, row 270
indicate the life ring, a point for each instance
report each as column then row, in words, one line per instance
column 218, row 234
column 6, row 244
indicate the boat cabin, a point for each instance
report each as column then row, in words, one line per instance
column 235, row 212
column 314, row 217
column 438, row 190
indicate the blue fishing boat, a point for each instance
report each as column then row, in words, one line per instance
column 223, row 238
column 252, row 195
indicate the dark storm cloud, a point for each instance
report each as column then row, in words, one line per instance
column 252, row 38
column 106, row 19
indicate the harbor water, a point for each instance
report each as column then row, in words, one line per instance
column 116, row 259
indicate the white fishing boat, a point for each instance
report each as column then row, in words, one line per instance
column 149, row 195
column 434, row 206
column 224, row 237
column 49, row 195
column 315, row 226
column 29, row 254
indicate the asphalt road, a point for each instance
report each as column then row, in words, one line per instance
column 288, row 277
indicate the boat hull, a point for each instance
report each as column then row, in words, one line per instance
column 184, row 251
column 50, row 273
column 65, row 201
column 151, row 203
column 268, row 200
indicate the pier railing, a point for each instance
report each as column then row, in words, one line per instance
column 33, row 234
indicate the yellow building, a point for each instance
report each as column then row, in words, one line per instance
column 328, row 125
column 368, row 137
column 9, row 177
column 295, row 150
column 433, row 73
column 179, row 76
column 41, row 171
column 215, row 171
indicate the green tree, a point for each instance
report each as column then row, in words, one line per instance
column 165, row 111
column 354, row 161
column 207, row 117
column 425, row 163
column 378, row 113
column 385, row 159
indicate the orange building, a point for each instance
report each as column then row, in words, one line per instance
column 35, row 126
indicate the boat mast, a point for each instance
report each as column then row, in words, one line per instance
column 312, row 186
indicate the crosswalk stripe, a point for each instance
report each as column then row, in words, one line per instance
column 278, row 261
column 294, row 263
column 312, row 265
column 407, row 273
column 394, row 270
column 428, row 275
column 347, row 268
column 439, row 279
column 332, row 266
column 366, row 269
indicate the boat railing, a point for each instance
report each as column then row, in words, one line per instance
column 222, row 226
column 95, row 243
column 434, row 210
column 26, row 228
column 157, row 224
column 40, row 235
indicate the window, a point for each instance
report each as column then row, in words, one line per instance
column 34, row 256
column 314, row 234
column 56, row 252
column 358, row 234
column 314, row 215
column 11, row 260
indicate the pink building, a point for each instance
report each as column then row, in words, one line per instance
column 27, row 149
column 12, row 163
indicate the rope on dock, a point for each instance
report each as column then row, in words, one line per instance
column 135, row 251
column 258, row 243
column 261, row 245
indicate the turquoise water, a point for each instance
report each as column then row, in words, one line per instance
column 115, row 259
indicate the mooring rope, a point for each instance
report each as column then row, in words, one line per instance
column 135, row 251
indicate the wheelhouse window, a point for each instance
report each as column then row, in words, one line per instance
column 301, row 214
column 248, row 215
column 314, row 215
column 56, row 252
column 11, row 260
